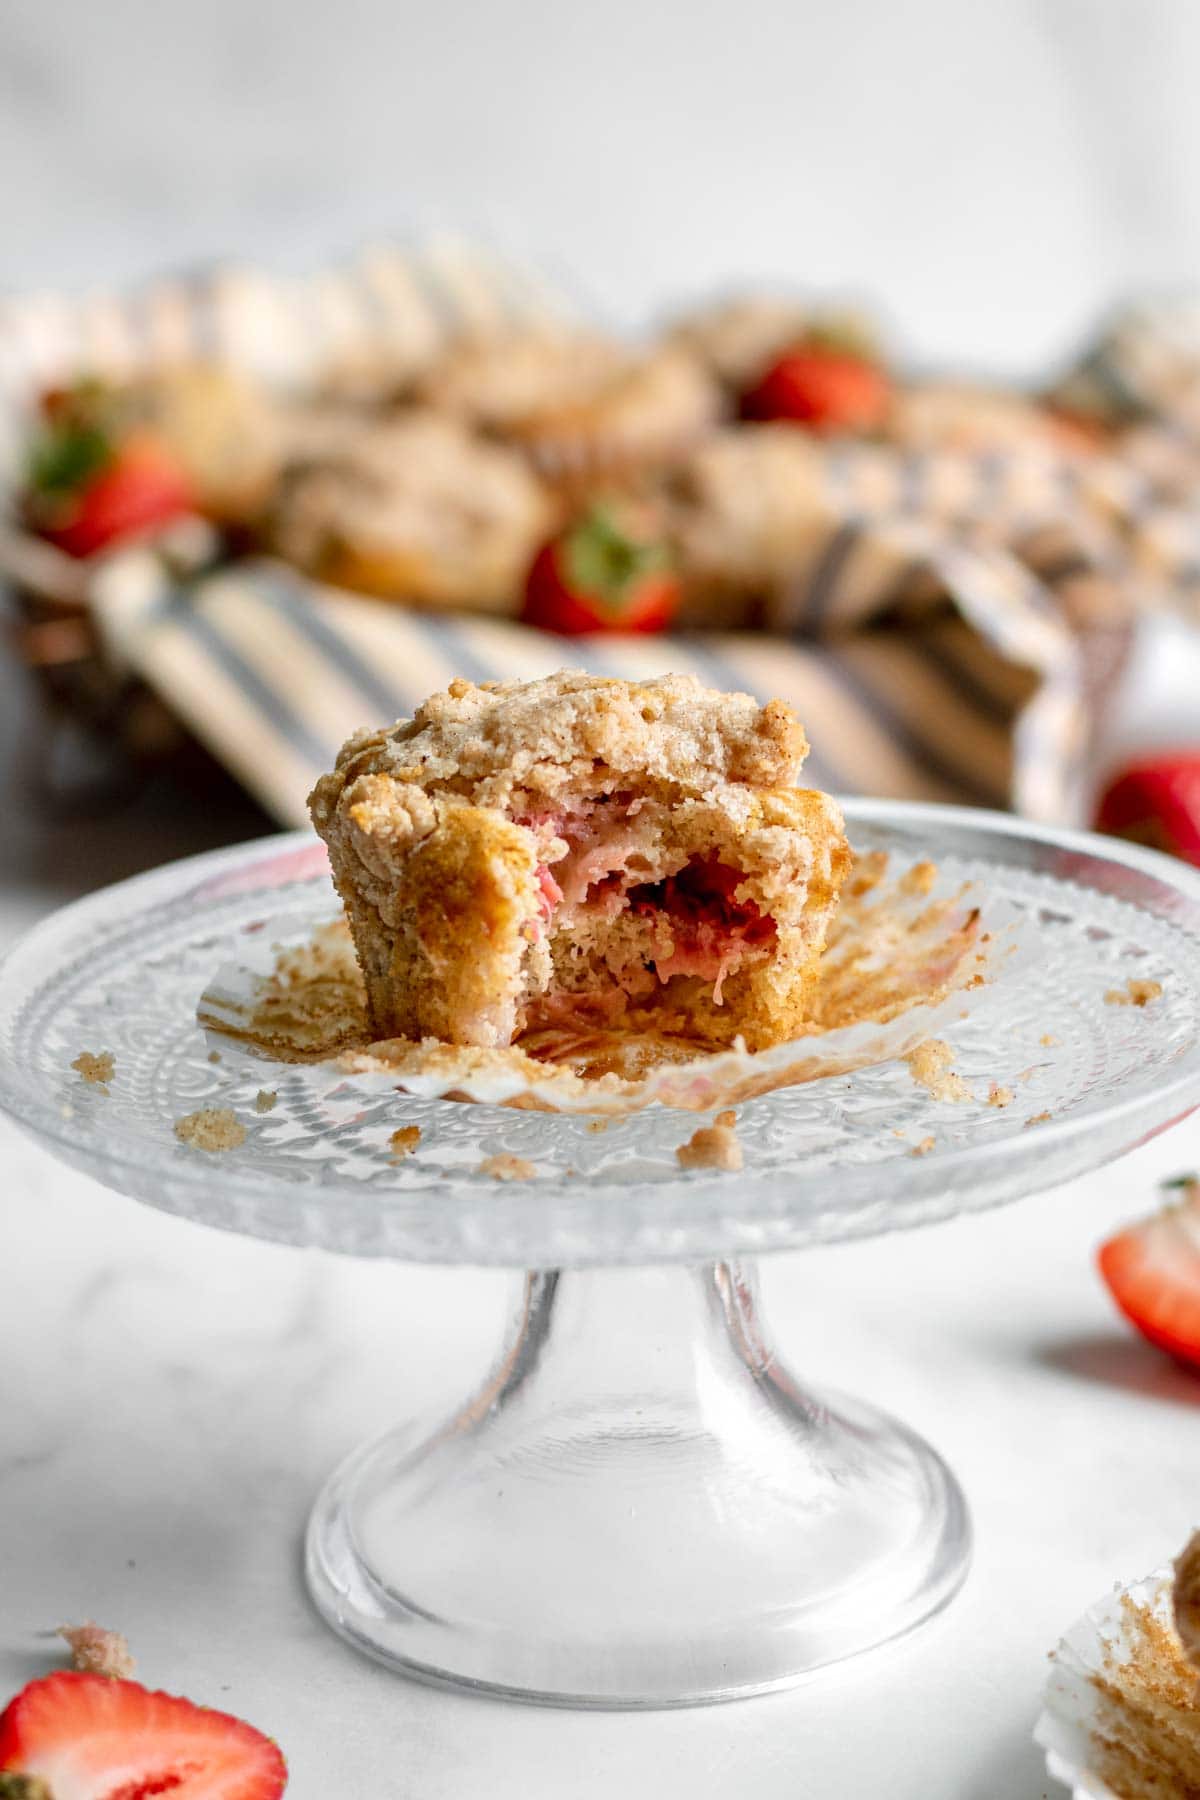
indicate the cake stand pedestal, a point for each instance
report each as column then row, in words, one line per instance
column 640, row 1506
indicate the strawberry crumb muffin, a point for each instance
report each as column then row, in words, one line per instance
column 579, row 852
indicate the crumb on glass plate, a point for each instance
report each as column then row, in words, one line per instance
column 924, row 1147
column 97, row 1067
column 265, row 1100
column 1134, row 993
column 506, row 1167
column 1041, row 1118
column 212, row 1128
column 714, row 1146
column 929, row 1065
column 405, row 1139
column 998, row 1095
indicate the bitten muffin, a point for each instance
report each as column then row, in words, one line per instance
column 418, row 510
column 578, row 851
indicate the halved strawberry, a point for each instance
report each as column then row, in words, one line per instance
column 1153, row 1272
column 90, row 1738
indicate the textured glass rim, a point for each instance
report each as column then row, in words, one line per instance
column 767, row 1198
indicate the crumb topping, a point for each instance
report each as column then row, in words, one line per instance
column 265, row 1100
column 213, row 1128
column 96, row 1651
column 929, row 1065
column 554, row 733
column 999, row 1095
column 506, row 1167
column 405, row 1139
column 924, row 1147
column 96, row 1067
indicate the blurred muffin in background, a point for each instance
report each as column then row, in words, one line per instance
column 963, row 416
column 742, row 513
column 738, row 339
column 582, row 408
column 418, row 509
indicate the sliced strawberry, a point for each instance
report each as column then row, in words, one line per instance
column 90, row 1738
column 1153, row 1272
column 602, row 574
column 139, row 487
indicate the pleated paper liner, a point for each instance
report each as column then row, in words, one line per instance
column 1121, row 1717
column 910, row 954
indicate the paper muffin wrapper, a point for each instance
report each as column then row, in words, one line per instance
column 1092, row 1736
column 912, row 954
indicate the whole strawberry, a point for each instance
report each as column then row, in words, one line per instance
column 608, row 571
column 830, row 382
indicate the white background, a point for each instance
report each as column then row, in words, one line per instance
column 170, row 1399
column 994, row 172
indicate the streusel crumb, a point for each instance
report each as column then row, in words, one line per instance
column 1042, row 1118
column 265, row 1100
column 212, row 1128
column 1048, row 1040
column 507, row 1167
column 713, row 1146
column 929, row 1065
column 999, row 1095
column 1134, row 993
column 96, row 1067
column 214, row 1056
column 405, row 1140
column 919, row 879
column 597, row 1125
column 96, row 1651
column 924, row 1147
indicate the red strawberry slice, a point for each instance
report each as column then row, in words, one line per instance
column 1153, row 1272
column 90, row 1738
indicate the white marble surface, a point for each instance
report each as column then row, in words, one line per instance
column 170, row 1400
column 992, row 173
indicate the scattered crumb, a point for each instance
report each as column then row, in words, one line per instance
column 919, row 879
column 899, row 1131
column 1041, row 1118
column 1048, row 1040
column 924, row 1147
column 929, row 1065
column 96, row 1651
column 506, row 1167
column 1025, row 1075
column 1134, row 993
column 212, row 1128
column 405, row 1140
column 597, row 1124
column 97, row 1067
column 214, row 1056
column 976, row 981
column 713, row 1146
column 998, row 1095
column 265, row 1100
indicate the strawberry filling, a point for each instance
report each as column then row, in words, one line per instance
column 711, row 931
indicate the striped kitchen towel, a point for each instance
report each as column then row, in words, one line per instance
column 984, row 700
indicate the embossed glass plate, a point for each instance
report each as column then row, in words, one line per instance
column 122, row 971
column 640, row 1507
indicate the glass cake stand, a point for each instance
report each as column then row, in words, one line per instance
column 640, row 1506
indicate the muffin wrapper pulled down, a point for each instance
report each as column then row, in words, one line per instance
column 1121, row 1709
column 911, row 952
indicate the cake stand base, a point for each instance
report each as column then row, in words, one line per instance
column 639, row 1508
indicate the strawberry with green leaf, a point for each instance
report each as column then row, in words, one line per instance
column 93, row 481
column 606, row 572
